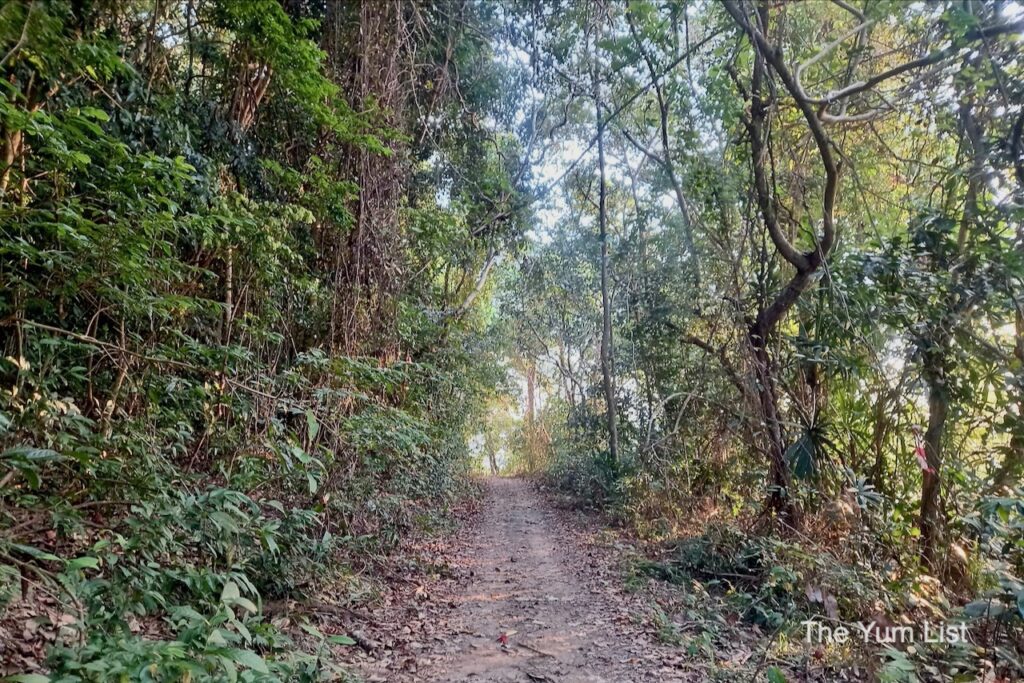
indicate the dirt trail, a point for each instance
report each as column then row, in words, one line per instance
column 524, row 574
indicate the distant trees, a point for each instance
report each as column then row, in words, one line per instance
column 810, row 219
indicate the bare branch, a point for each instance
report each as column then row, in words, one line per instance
column 812, row 259
column 825, row 51
column 927, row 60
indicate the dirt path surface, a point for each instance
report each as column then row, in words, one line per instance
column 524, row 573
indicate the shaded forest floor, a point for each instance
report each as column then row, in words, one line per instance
column 529, row 592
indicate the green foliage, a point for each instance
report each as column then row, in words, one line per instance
column 183, row 436
column 859, row 396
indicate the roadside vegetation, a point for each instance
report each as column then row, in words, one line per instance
column 240, row 355
column 774, row 324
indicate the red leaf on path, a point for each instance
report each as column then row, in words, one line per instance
column 503, row 639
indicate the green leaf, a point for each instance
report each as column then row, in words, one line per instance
column 249, row 659
column 229, row 592
column 775, row 675
column 311, row 629
column 341, row 640
column 28, row 678
column 216, row 638
column 245, row 604
column 312, row 425
column 982, row 608
column 30, row 454
column 84, row 563
column 223, row 521
column 81, row 158
column 36, row 552
column 94, row 113
column 801, row 457
column 270, row 543
column 230, row 670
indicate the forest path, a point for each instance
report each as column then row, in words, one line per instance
column 527, row 574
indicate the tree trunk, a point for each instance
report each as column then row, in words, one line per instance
column 531, row 393
column 938, row 354
column 1009, row 473
column 607, row 354
column 931, row 519
column 229, row 295
column 806, row 263
column 564, row 370
column 531, row 416
column 369, row 48
column 878, row 476
column 492, row 459
column 780, row 477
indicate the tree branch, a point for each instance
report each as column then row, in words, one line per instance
column 812, row 259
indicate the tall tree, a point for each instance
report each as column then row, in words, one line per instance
column 607, row 341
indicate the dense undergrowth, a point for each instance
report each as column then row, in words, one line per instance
column 856, row 565
column 724, row 584
column 211, row 401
